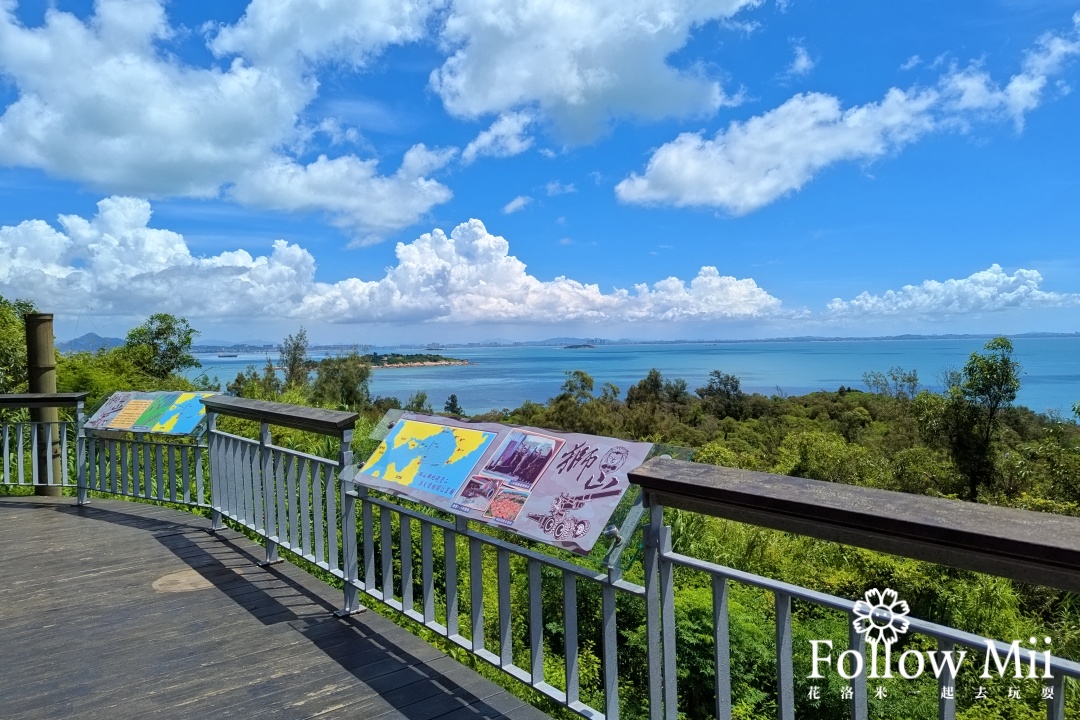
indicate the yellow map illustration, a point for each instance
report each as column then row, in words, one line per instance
column 433, row 458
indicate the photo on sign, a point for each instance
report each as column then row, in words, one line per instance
column 522, row 458
column 477, row 494
column 506, row 506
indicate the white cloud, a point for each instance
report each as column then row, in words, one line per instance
column 100, row 102
column 516, row 204
column 911, row 62
column 120, row 266
column 580, row 63
column 971, row 90
column 283, row 32
column 989, row 290
column 557, row 188
column 506, row 137
column 753, row 163
column 802, row 62
column 351, row 190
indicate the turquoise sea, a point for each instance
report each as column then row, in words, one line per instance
column 505, row 377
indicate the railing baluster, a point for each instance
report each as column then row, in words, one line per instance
column 536, row 622
column 785, row 681
column 114, row 471
column 19, row 454
column 610, row 658
column 91, row 462
column 476, row 592
column 369, row 544
column 406, row 563
column 946, row 700
column 667, row 605
column 721, row 647
column 332, row 559
column 277, row 459
column 570, row 636
column 294, row 512
column 33, row 453
column 857, row 642
column 318, row 478
column 103, row 470
column 427, row 571
column 64, row 453
column 450, row 562
column 159, row 461
column 386, row 550
column 1055, row 704
column 171, row 450
column 49, row 479
column 303, row 470
column 506, row 640
column 247, row 493
column 185, row 475
column 264, row 489
column 7, row 455
column 652, row 612
column 199, row 478
column 148, row 473
column 122, row 460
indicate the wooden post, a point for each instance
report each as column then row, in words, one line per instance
column 41, row 374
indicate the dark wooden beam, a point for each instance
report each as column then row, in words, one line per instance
column 327, row 422
column 42, row 400
column 1027, row 546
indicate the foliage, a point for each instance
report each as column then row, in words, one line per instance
column 452, row 407
column 418, row 403
column 13, row 344
column 161, row 346
column 342, row 382
column 294, row 358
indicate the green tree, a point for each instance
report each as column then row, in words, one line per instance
column 343, row 381
column 967, row 416
column 722, row 396
column 13, row 344
column 452, row 406
column 294, row 358
column 419, row 403
column 161, row 346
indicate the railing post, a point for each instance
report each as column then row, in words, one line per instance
column 350, row 566
column 652, row 608
column 269, row 512
column 82, row 496
column 212, row 445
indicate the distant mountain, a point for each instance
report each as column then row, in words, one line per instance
column 90, row 342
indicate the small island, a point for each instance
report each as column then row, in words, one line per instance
column 407, row 360
column 578, row 347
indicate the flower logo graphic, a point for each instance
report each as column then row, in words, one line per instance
column 881, row 616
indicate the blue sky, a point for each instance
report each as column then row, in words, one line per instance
column 427, row 170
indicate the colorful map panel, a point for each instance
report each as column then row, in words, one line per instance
column 166, row 413
column 559, row 488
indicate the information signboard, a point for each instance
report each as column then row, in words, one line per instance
column 167, row 413
column 559, row 488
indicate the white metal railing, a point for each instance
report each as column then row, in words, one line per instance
column 438, row 572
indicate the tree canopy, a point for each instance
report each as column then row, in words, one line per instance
column 161, row 346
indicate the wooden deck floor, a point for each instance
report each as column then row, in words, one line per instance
column 123, row 610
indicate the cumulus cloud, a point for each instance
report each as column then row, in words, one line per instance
column 752, row 163
column 351, row 190
column 971, row 90
column 990, row 290
column 557, row 188
column 506, row 137
column 101, row 103
column 802, row 62
column 516, row 204
column 119, row 265
column 580, row 63
column 281, row 32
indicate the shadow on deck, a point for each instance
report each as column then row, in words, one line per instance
column 125, row 610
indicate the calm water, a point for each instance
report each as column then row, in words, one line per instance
column 506, row 377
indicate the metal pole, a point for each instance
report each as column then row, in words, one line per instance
column 41, row 374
